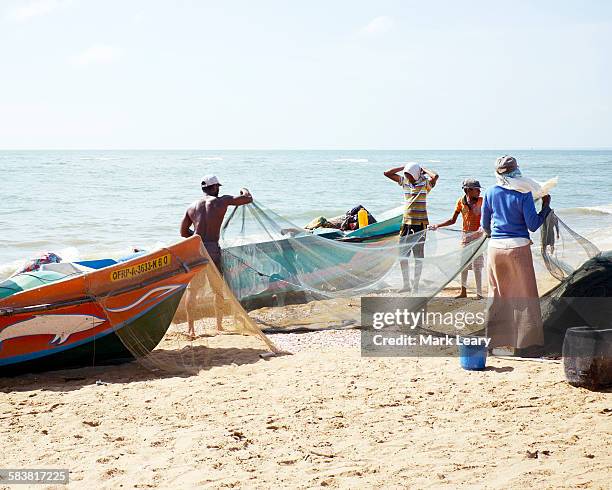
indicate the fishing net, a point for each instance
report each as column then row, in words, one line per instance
column 278, row 277
column 562, row 250
column 289, row 279
column 270, row 263
column 195, row 297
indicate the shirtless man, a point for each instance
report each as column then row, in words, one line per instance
column 206, row 215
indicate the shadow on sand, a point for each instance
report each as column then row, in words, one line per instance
column 159, row 364
column 503, row 369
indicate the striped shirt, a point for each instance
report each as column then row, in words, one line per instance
column 415, row 201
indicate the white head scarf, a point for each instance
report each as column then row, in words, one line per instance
column 414, row 169
column 515, row 181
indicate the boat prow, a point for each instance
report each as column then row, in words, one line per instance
column 106, row 315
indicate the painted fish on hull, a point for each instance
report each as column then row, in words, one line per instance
column 60, row 326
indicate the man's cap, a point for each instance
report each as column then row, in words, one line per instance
column 505, row 164
column 209, row 180
column 414, row 169
column 471, row 184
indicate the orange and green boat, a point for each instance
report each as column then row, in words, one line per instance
column 103, row 312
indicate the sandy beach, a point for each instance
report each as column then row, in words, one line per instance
column 281, row 243
column 323, row 416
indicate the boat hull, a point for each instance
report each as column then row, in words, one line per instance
column 108, row 348
column 109, row 315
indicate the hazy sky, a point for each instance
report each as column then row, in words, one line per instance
column 305, row 74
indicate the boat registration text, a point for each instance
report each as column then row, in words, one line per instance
column 142, row 268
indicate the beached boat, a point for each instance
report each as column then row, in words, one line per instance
column 93, row 313
column 306, row 267
column 388, row 226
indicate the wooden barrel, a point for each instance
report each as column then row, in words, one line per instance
column 587, row 357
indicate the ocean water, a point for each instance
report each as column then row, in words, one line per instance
column 87, row 204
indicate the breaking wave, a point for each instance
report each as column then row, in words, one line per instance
column 352, row 160
column 603, row 210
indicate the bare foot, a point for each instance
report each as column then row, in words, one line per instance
column 479, row 296
column 461, row 295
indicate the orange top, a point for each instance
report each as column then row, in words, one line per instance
column 470, row 214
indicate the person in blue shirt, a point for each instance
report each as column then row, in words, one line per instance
column 514, row 319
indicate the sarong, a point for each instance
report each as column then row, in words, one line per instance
column 514, row 318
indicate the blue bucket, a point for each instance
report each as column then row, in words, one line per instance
column 473, row 357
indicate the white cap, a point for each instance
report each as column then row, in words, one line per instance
column 414, row 169
column 209, row 180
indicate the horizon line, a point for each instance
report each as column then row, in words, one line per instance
column 544, row 148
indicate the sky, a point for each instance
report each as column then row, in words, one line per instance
column 316, row 74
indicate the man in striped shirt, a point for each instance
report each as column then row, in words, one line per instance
column 416, row 181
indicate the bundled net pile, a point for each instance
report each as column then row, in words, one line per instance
column 582, row 294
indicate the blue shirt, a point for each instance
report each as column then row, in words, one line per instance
column 513, row 213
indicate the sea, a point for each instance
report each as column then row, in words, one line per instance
column 84, row 204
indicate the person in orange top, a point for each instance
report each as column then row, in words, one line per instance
column 469, row 206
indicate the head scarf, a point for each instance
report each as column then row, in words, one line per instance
column 414, row 169
column 509, row 176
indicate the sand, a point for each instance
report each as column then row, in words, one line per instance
column 322, row 417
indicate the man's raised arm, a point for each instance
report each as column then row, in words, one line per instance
column 393, row 173
column 245, row 197
column 433, row 176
